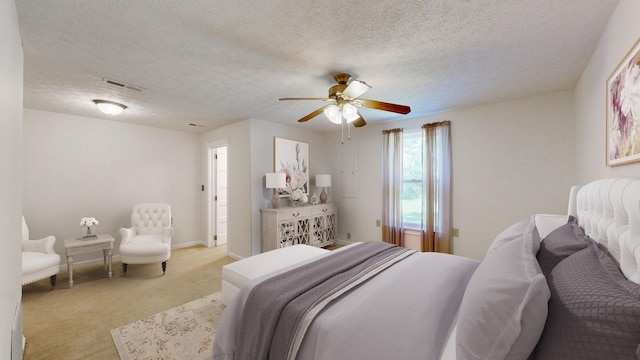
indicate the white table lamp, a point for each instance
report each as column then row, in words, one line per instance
column 323, row 181
column 276, row 181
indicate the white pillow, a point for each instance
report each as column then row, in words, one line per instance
column 504, row 307
column 546, row 223
column 512, row 232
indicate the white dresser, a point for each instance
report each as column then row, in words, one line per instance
column 315, row 225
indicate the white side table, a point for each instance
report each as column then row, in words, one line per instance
column 75, row 246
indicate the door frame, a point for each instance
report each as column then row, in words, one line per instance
column 211, row 211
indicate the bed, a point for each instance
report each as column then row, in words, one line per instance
column 551, row 286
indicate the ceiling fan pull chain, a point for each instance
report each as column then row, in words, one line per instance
column 348, row 131
column 342, row 125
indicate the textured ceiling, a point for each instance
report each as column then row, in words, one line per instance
column 215, row 62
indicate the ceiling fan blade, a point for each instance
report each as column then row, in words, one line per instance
column 314, row 114
column 356, row 88
column 379, row 105
column 323, row 99
column 359, row 122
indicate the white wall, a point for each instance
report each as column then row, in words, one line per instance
column 77, row 166
column 262, row 155
column 510, row 160
column 620, row 35
column 237, row 138
column 250, row 157
column 10, row 174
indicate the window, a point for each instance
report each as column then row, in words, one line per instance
column 416, row 185
column 412, row 175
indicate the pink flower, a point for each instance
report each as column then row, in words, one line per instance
column 296, row 179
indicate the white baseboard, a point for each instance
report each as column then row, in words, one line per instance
column 99, row 260
column 18, row 340
column 189, row 244
column 234, row 256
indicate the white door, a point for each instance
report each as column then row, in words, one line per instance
column 220, row 197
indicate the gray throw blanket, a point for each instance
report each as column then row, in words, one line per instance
column 279, row 310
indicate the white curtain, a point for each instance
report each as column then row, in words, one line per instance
column 392, row 187
column 436, row 185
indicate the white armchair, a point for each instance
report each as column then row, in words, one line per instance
column 148, row 240
column 39, row 260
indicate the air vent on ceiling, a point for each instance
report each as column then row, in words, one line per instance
column 197, row 125
column 123, row 85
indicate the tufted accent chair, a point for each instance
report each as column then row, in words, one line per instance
column 148, row 240
column 39, row 260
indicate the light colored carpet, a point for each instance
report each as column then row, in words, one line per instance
column 183, row 332
column 75, row 324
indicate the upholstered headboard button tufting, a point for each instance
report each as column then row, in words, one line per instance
column 609, row 212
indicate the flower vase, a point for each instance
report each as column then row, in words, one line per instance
column 293, row 203
column 89, row 233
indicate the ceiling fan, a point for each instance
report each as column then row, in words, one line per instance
column 344, row 99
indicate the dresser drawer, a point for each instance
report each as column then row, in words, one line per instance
column 293, row 213
column 323, row 209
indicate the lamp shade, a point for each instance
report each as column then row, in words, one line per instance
column 333, row 113
column 349, row 112
column 323, row 180
column 276, row 180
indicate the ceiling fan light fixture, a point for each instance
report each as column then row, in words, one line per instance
column 332, row 112
column 349, row 112
column 110, row 107
column 344, row 101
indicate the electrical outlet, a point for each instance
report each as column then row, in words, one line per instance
column 378, row 222
column 455, row 232
column 348, row 236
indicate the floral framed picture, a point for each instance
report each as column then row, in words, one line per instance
column 623, row 110
column 292, row 158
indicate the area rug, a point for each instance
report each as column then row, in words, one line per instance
column 184, row 332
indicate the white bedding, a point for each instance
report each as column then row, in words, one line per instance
column 414, row 303
column 411, row 310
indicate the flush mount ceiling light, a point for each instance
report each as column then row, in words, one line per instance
column 109, row 107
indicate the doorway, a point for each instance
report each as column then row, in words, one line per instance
column 218, row 195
